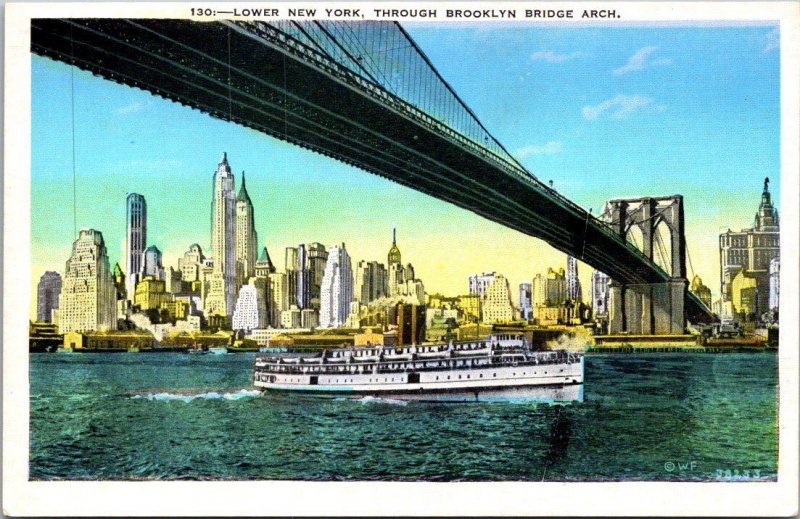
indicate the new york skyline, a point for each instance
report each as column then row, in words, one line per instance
column 694, row 113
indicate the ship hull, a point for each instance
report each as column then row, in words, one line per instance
column 572, row 392
column 542, row 382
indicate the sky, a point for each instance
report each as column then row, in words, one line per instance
column 603, row 112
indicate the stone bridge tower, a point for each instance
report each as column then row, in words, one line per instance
column 653, row 308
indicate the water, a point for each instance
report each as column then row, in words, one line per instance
column 173, row 416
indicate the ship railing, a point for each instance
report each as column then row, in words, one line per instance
column 500, row 360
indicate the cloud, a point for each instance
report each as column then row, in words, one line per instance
column 618, row 106
column 553, row 57
column 773, row 40
column 640, row 60
column 134, row 107
column 534, row 149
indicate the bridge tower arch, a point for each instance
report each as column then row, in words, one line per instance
column 651, row 308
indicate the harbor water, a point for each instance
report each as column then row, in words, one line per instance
column 668, row 416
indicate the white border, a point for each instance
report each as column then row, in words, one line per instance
column 21, row 497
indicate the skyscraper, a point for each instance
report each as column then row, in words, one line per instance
column 497, row 306
column 479, row 282
column 370, row 281
column 574, row 292
column 747, row 254
column 223, row 235
column 251, row 309
column 336, row 292
column 550, row 289
column 246, row 237
column 599, row 293
column 317, row 257
column 525, row 305
column 150, row 264
column 394, row 252
column 48, row 292
column 87, row 300
column 264, row 266
column 135, row 239
column 303, row 278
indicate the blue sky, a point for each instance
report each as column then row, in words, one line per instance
column 603, row 112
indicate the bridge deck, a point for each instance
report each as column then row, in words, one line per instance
column 259, row 79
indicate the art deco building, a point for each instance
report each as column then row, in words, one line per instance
column 215, row 300
column 87, row 301
column 135, row 239
column 246, row 237
column 371, row 281
column 47, row 294
column 223, row 236
column 336, row 292
column 497, row 305
column 574, row 292
column 749, row 252
column 251, row 309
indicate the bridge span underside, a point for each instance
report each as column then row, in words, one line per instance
column 251, row 75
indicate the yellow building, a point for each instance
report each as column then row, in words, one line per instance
column 177, row 308
column 151, row 293
column 469, row 308
column 497, row 305
column 744, row 293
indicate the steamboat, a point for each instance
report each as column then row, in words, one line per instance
column 499, row 367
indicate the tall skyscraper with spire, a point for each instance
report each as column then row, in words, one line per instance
column 223, row 241
column 246, row 237
column 135, row 239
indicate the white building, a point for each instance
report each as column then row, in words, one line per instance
column 525, row 304
column 774, row 282
column 574, row 292
column 479, row 282
column 223, row 233
column 292, row 318
column 151, row 264
column 88, row 297
column 336, row 291
column 251, row 309
column 497, row 305
column 599, row 293
column 246, row 237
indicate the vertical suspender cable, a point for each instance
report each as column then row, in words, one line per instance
column 230, row 96
column 72, row 102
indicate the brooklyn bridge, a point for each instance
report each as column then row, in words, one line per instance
column 365, row 94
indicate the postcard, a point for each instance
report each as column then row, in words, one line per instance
column 401, row 258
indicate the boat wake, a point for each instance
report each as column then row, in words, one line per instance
column 207, row 395
column 377, row 400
